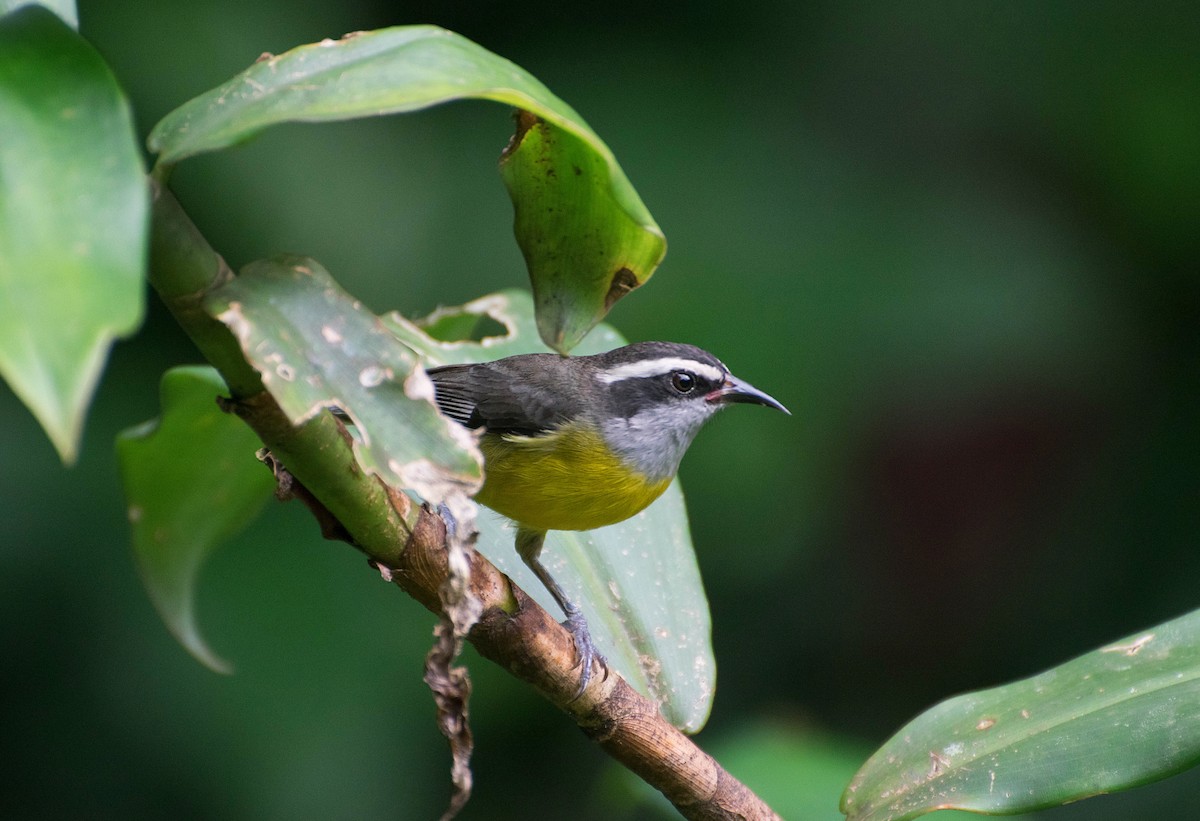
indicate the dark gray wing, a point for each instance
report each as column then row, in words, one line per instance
column 524, row 395
column 453, row 393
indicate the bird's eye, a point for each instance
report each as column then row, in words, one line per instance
column 683, row 381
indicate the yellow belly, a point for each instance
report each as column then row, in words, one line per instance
column 566, row 480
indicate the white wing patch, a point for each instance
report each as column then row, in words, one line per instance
column 659, row 367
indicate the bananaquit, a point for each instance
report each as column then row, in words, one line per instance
column 576, row 443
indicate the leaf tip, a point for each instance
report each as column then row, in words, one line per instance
column 201, row 652
column 59, row 402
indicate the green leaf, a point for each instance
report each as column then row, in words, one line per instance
column 586, row 236
column 582, row 253
column 73, row 205
column 1121, row 716
column 191, row 481
column 637, row 581
column 317, row 347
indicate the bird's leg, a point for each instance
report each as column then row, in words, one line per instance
column 529, row 547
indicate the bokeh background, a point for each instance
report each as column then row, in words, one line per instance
column 959, row 240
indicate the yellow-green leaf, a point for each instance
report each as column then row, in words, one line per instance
column 583, row 254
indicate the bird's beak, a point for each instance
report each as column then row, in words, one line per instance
column 735, row 390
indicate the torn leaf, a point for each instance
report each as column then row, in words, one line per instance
column 317, row 347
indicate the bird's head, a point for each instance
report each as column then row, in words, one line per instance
column 653, row 397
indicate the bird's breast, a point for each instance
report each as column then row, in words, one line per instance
column 567, row 479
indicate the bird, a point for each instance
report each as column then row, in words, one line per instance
column 582, row 442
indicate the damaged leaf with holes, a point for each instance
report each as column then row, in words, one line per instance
column 317, row 347
column 637, row 581
column 1121, row 716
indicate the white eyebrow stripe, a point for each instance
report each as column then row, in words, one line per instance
column 659, row 367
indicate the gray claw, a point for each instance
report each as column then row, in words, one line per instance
column 585, row 650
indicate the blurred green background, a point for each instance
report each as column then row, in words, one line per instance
column 961, row 243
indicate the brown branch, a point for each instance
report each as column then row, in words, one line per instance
column 520, row 636
column 514, row 631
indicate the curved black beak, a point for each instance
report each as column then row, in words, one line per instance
column 735, row 390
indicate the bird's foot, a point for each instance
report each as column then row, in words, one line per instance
column 585, row 650
column 451, row 523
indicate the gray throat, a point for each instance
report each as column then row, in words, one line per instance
column 652, row 445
